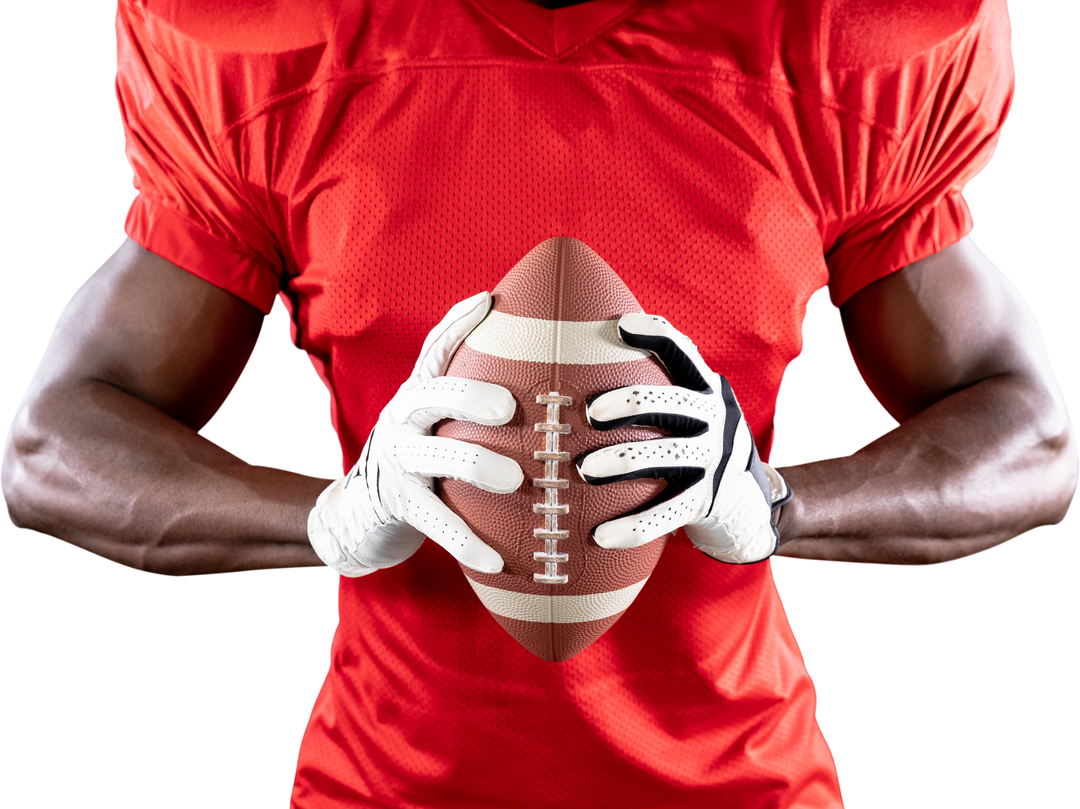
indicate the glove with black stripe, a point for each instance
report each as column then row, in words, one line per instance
column 717, row 486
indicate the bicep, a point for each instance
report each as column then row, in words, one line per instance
column 939, row 326
column 154, row 331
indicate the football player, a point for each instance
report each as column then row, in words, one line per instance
column 377, row 164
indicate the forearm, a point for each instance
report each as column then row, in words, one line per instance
column 973, row 470
column 105, row 471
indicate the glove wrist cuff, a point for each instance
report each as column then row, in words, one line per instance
column 779, row 492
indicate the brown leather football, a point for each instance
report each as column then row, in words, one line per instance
column 551, row 340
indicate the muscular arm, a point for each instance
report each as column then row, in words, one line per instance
column 984, row 450
column 104, row 451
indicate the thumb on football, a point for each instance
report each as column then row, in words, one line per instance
column 444, row 339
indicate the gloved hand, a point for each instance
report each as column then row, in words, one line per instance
column 378, row 515
column 717, row 486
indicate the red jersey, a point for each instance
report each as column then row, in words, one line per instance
column 374, row 162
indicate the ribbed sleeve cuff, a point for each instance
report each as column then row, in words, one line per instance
column 177, row 239
column 921, row 234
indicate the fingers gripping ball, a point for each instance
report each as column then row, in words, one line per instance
column 718, row 487
column 378, row 515
column 551, row 340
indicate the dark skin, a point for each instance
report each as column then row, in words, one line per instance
column 984, row 450
column 104, row 632
column 105, row 451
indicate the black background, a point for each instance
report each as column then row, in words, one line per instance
column 945, row 687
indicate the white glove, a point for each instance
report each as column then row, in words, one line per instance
column 717, row 487
column 378, row 515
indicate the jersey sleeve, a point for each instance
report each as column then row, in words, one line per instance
column 191, row 206
column 916, row 206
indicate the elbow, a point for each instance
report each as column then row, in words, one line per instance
column 12, row 503
column 45, row 490
column 1039, row 480
column 16, row 477
column 1041, row 477
column 1062, row 474
column 32, row 475
column 1051, row 468
column 12, row 498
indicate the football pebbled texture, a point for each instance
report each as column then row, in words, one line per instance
column 551, row 339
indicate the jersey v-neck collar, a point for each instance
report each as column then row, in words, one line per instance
column 555, row 31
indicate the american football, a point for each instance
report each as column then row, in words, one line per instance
column 551, row 340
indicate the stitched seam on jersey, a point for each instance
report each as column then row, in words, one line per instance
column 507, row 28
column 317, row 83
column 243, row 250
column 872, row 203
column 731, row 77
column 231, row 170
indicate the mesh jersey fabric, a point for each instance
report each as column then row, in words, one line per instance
column 373, row 163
